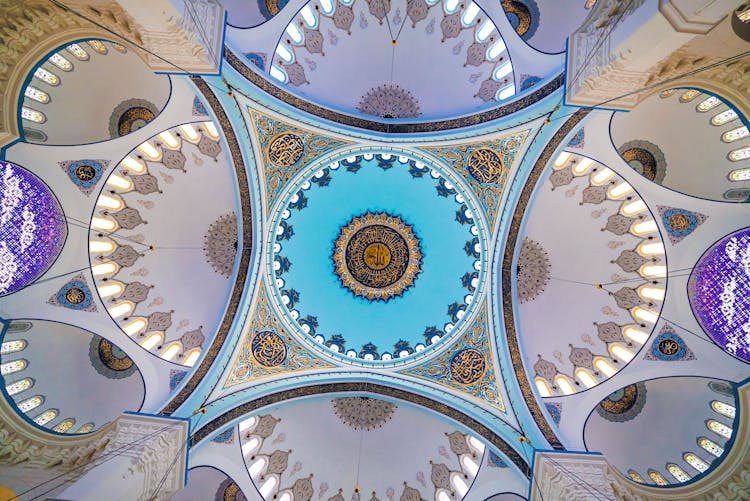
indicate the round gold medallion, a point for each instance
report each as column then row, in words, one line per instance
column 285, row 149
column 377, row 256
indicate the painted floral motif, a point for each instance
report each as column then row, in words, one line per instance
column 389, row 101
column 220, row 244
column 363, row 413
column 533, row 270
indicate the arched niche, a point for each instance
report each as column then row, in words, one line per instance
column 689, row 140
column 65, row 378
column 647, row 428
column 122, row 94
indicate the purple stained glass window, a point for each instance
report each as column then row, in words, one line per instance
column 719, row 290
column 32, row 228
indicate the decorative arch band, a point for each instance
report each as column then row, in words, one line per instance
column 247, row 237
column 396, row 128
column 507, row 277
column 363, row 387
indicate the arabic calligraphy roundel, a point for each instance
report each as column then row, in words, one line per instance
column 468, row 366
column 377, row 256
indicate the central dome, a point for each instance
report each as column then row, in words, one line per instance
column 395, row 59
column 376, row 256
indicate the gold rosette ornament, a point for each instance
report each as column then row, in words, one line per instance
column 377, row 256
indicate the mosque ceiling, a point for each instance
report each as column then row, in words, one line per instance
column 367, row 272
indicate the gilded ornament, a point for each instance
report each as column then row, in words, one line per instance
column 486, row 166
column 285, row 149
column 75, row 295
column 468, row 366
column 268, row 348
column 624, row 404
column 377, row 256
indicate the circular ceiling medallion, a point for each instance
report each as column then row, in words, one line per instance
column 486, row 165
column 285, row 149
column 268, row 349
column 377, row 256
column 468, row 366
column 624, row 404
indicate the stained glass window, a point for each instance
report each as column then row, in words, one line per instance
column 98, row 46
column 30, row 403
column 36, row 94
column 12, row 346
column 45, row 417
column 689, row 95
column 119, row 48
column 722, row 408
column 711, row 446
column 635, row 476
column 695, row 462
column 46, row 76
column 86, row 428
column 33, row 115
column 735, row 134
column 724, row 117
column 14, row 366
column 739, row 175
column 707, row 104
column 719, row 428
column 19, row 386
column 740, row 154
column 666, row 93
column 657, row 477
column 61, row 62
column 65, row 425
column 677, row 472
column 78, row 52
column 720, row 293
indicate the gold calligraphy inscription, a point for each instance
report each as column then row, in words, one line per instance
column 377, row 256
column 468, row 366
column 486, row 165
column 268, row 348
column 75, row 295
column 285, row 149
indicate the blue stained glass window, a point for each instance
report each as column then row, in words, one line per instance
column 32, row 228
